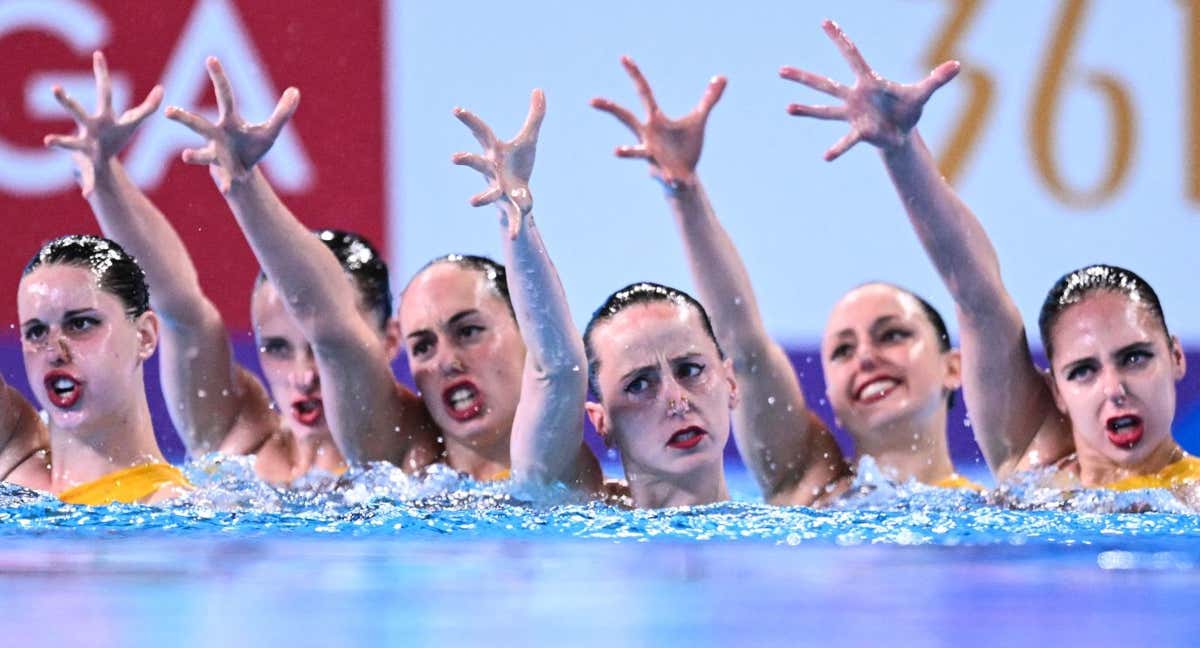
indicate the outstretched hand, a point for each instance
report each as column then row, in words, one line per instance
column 101, row 135
column 672, row 146
column 234, row 146
column 506, row 165
column 879, row 111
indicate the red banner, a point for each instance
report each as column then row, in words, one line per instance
column 328, row 165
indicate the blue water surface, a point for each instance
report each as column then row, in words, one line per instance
column 383, row 559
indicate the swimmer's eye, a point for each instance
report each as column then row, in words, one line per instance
column 276, row 348
column 470, row 331
column 81, row 324
column 1081, row 372
column 35, row 332
column 841, row 351
column 895, row 335
column 689, row 370
column 638, row 385
column 420, row 347
column 1135, row 358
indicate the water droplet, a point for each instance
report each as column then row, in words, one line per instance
column 770, row 400
column 200, row 393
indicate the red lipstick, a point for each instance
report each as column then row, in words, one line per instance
column 462, row 400
column 875, row 389
column 687, row 438
column 62, row 389
column 308, row 411
column 1124, row 431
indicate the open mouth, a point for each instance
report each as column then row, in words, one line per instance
column 308, row 411
column 62, row 389
column 876, row 389
column 1124, row 431
column 463, row 400
column 687, row 438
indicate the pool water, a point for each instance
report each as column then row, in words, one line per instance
column 387, row 560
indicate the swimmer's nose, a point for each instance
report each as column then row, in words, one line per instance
column 1114, row 387
column 59, row 352
column 867, row 359
column 304, row 373
column 675, row 397
column 449, row 363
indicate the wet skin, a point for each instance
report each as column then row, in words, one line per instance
column 82, row 354
column 882, row 362
column 467, row 358
column 666, row 393
column 1114, row 371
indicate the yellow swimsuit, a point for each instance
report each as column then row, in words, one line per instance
column 126, row 486
column 956, row 480
column 1181, row 472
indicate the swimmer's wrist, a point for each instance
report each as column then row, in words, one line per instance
column 903, row 147
column 678, row 187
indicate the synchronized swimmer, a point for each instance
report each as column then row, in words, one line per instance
column 499, row 365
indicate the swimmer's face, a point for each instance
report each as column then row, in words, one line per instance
column 287, row 362
column 465, row 351
column 882, row 361
column 666, row 393
column 83, row 356
column 1114, row 376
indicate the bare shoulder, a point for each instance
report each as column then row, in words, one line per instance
column 25, row 455
column 256, row 422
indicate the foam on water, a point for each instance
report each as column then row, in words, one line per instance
column 382, row 501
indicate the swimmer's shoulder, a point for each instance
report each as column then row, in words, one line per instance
column 256, row 422
column 25, row 457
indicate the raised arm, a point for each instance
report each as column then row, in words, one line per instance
column 789, row 450
column 547, row 435
column 213, row 402
column 371, row 417
column 1011, row 408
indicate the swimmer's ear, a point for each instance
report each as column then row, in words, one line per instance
column 735, row 397
column 598, row 415
column 392, row 338
column 147, row 331
column 953, row 360
column 1180, row 360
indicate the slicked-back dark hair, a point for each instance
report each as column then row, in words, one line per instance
column 643, row 292
column 366, row 267
column 1075, row 286
column 493, row 272
column 116, row 271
